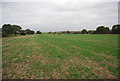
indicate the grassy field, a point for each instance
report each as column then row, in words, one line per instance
column 60, row 56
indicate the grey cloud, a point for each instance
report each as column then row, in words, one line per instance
column 54, row 16
column 0, row 14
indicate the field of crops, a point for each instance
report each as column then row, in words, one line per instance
column 60, row 56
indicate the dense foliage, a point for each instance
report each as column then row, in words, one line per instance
column 8, row 29
column 38, row 32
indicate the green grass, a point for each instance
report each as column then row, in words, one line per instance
column 60, row 56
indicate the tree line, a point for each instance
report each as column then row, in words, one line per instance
column 8, row 29
column 99, row 30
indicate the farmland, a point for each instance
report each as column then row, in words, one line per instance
column 60, row 56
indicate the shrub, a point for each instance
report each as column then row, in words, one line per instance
column 22, row 32
column 38, row 32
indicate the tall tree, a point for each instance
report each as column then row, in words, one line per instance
column 102, row 30
column 16, row 28
column 8, row 29
column 116, row 29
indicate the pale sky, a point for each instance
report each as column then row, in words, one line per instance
column 59, row 15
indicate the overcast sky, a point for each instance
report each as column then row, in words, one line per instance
column 54, row 15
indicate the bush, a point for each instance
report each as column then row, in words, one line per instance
column 32, row 32
column 38, row 32
column 22, row 32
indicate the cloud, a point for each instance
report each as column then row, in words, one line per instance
column 60, row 15
column 0, row 14
column 58, row 1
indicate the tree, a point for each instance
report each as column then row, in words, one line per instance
column 23, row 32
column 102, row 30
column 49, row 32
column 116, row 29
column 94, row 32
column 8, row 29
column 16, row 29
column 28, row 31
column 90, row 32
column 107, row 30
column 32, row 32
column 84, row 31
column 38, row 32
